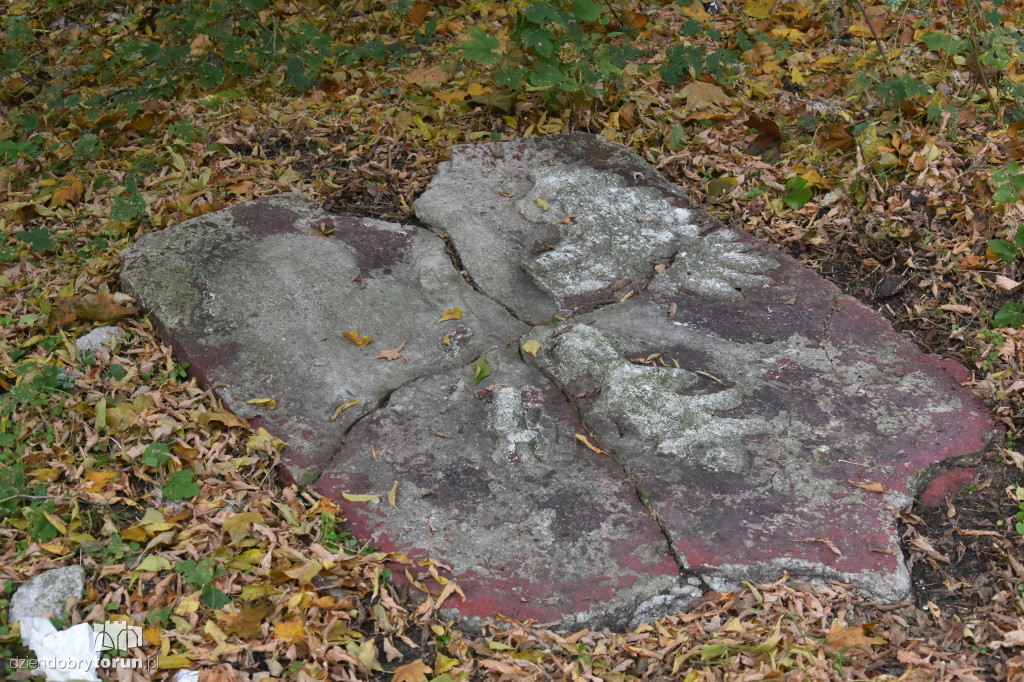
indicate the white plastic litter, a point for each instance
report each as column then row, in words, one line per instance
column 62, row 655
column 187, row 676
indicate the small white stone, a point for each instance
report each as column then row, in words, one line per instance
column 100, row 339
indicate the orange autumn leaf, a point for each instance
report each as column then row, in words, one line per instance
column 416, row 671
column 453, row 314
column 355, row 338
column 291, row 630
column 95, row 481
column 870, row 486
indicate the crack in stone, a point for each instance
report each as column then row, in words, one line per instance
column 642, row 497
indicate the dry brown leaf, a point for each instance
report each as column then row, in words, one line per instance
column 390, row 355
column 825, row 541
column 840, row 638
column 870, row 486
column 700, row 94
column 921, row 544
column 835, row 137
column 416, row 671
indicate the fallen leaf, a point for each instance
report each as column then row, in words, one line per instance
column 412, row 672
column 392, row 494
column 355, row 338
column 238, row 525
column 825, row 541
column 543, row 204
column 390, row 355
column 700, row 94
column 224, row 417
column 593, row 448
column 269, row 403
column 957, row 308
column 359, row 498
column 758, row 9
column 835, row 137
column 95, row 481
column 338, row 412
column 453, row 314
column 870, row 486
column 482, row 372
column 531, row 347
column 263, row 441
column 290, row 630
column 417, row 13
column 840, row 638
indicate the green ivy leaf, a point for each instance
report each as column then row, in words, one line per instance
column 180, row 486
column 480, row 47
column 482, row 372
column 155, row 455
column 198, row 575
column 1010, row 315
column 1018, row 237
column 1006, row 251
column 586, row 10
column 799, row 193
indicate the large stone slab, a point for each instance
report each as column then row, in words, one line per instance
column 257, row 299
column 737, row 416
column 493, row 482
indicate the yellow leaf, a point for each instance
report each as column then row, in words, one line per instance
column 96, row 481
column 583, row 439
column 120, row 417
column 188, row 605
column 758, row 9
column 238, row 525
column 153, row 564
column 359, row 498
column 447, row 340
column 270, row 403
column 391, row 495
column 355, row 338
column 174, row 661
column 412, row 672
column 453, row 314
column 153, row 635
column 305, row 573
column 290, row 630
column 531, row 347
column 431, row 74
column 449, row 96
column 56, row 523
column 338, row 412
column 543, row 204
column 797, row 77
column 477, row 89
column 262, row 441
column 222, row 416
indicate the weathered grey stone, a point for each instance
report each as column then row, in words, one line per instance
column 697, row 372
column 493, row 483
column 100, row 339
column 555, row 225
column 258, row 298
column 47, row 593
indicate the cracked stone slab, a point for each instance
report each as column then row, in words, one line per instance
column 257, row 298
column 555, row 225
column 750, row 451
column 733, row 390
column 493, row 483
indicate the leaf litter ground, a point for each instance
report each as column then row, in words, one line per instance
column 233, row 575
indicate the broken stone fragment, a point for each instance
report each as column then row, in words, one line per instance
column 47, row 593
